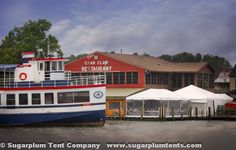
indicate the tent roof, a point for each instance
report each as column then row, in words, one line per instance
column 155, row 94
column 225, row 97
column 194, row 93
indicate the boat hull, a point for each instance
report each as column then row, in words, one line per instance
column 96, row 117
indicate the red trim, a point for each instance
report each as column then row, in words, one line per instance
column 25, row 53
column 50, row 87
column 22, row 66
column 49, row 59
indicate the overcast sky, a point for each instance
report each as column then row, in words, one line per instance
column 155, row 27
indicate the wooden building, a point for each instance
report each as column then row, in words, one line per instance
column 127, row 74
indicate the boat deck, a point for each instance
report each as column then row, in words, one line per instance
column 76, row 81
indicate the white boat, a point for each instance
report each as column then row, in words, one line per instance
column 41, row 92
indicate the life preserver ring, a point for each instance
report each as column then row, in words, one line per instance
column 23, row 76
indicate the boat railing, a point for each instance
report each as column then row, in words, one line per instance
column 75, row 81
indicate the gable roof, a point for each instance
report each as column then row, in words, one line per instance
column 223, row 78
column 151, row 63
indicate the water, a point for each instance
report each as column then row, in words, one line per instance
column 213, row 135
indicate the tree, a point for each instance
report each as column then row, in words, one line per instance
column 166, row 57
column 220, row 64
column 198, row 57
column 73, row 57
column 29, row 37
column 183, row 57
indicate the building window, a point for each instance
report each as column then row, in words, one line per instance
column 36, row 99
column 128, row 77
column 66, row 97
column 177, row 80
column 119, row 78
column 157, row 78
column 199, row 80
column 23, row 99
column 108, row 78
column 11, row 99
column 188, row 79
column 82, row 96
column 211, row 79
column 48, row 98
column 114, row 106
column 131, row 77
column 135, row 77
column 205, row 80
column 54, row 65
column 0, row 99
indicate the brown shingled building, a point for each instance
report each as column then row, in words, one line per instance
column 127, row 74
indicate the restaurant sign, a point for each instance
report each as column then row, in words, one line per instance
column 93, row 64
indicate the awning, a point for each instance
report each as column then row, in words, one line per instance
column 121, row 93
column 4, row 67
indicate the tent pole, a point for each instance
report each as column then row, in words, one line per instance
column 214, row 107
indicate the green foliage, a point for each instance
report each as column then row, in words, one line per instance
column 29, row 37
column 220, row 64
column 73, row 57
column 183, row 57
column 166, row 57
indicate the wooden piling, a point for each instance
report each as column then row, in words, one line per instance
column 160, row 113
column 209, row 112
column 173, row 113
column 120, row 111
column 196, row 112
column 142, row 110
column 190, row 112
column 163, row 114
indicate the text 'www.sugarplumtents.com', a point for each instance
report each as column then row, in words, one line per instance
column 154, row 145
column 95, row 146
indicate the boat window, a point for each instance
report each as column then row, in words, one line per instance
column 60, row 65
column 47, row 66
column 66, row 97
column 41, row 66
column 54, row 65
column 11, row 99
column 23, row 99
column 48, row 98
column 82, row 96
column 36, row 98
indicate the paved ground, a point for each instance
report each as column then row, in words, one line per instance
column 214, row 135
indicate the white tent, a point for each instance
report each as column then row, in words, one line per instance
column 151, row 100
column 196, row 94
column 200, row 98
column 225, row 97
column 155, row 94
